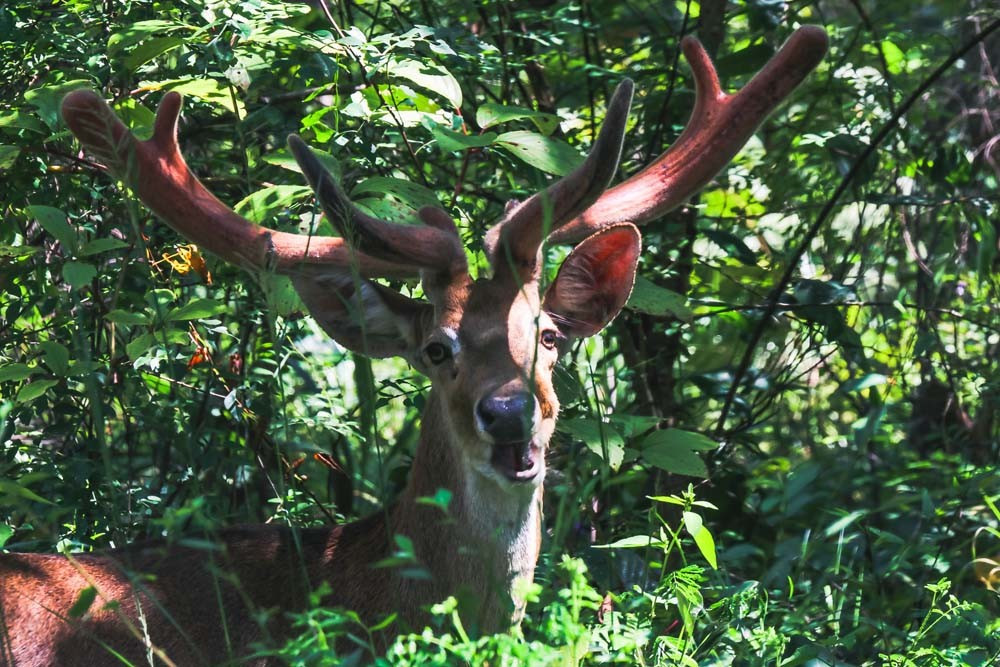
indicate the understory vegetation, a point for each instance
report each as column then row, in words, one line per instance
column 783, row 452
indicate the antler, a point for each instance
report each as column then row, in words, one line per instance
column 718, row 127
column 156, row 171
column 521, row 231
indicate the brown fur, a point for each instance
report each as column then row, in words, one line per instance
column 200, row 606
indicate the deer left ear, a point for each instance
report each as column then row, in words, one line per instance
column 594, row 281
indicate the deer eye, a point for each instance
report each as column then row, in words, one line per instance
column 550, row 338
column 437, row 353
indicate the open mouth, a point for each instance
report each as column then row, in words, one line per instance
column 518, row 461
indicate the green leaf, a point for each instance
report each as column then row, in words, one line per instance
column 21, row 119
column 449, row 140
column 648, row 297
column 895, row 59
column 8, row 155
column 16, row 372
column 139, row 345
column 78, row 274
column 209, row 91
column 265, row 204
column 490, row 114
column 279, row 294
column 675, row 450
column 5, row 534
column 408, row 192
column 552, row 156
column 48, row 98
column 863, row 382
column 83, row 602
column 633, row 542
column 56, row 356
column 54, row 221
column 100, row 245
column 432, row 78
column 150, row 49
column 11, row 488
column 597, row 436
column 33, row 390
column 695, row 527
column 196, row 309
column 124, row 317
column 137, row 32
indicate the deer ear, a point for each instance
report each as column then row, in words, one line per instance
column 594, row 281
column 363, row 316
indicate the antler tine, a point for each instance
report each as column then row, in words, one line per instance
column 435, row 247
column 157, row 172
column 719, row 126
column 524, row 227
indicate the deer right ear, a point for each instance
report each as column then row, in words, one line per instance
column 594, row 281
column 363, row 316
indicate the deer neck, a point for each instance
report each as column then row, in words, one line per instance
column 487, row 540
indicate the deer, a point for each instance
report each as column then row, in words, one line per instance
column 488, row 345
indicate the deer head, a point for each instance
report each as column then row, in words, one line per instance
column 488, row 345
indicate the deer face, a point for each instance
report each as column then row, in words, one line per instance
column 493, row 364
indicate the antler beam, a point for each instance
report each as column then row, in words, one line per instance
column 157, row 172
column 719, row 126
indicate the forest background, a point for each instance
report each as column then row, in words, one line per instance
column 784, row 451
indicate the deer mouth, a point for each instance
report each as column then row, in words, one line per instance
column 519, row 461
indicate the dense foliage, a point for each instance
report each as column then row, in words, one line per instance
column 784, row 451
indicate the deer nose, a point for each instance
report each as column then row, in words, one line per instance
column 507, row 418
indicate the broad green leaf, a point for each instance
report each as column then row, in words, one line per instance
column 552, row 156
column 597, row 436
column 16, row 372
column 137, row 32
column 449, row 140
column 156, row 383
column 21, row 119
column 12, row 488
column 16, row 253
column 490, row 114
column 136, row 116
column 196, row 309
column 83, row 602
column 648, row 297
column 149, row 50
column 55, row 222
column 408, row 192
column 48, row 98
column 675, row 451
column 56, row 356
column 33, row 390
column 265, row 204
column 8, row 155
column 695, row 527
column 209, row 91
column 432, row 78
column 79, row 274
column 895, row 59
column 139, row 345
column 100, row 245
column 280, row 294
column 124, row 317
column 5, row 534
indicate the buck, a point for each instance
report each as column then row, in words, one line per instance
column 488, row 346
